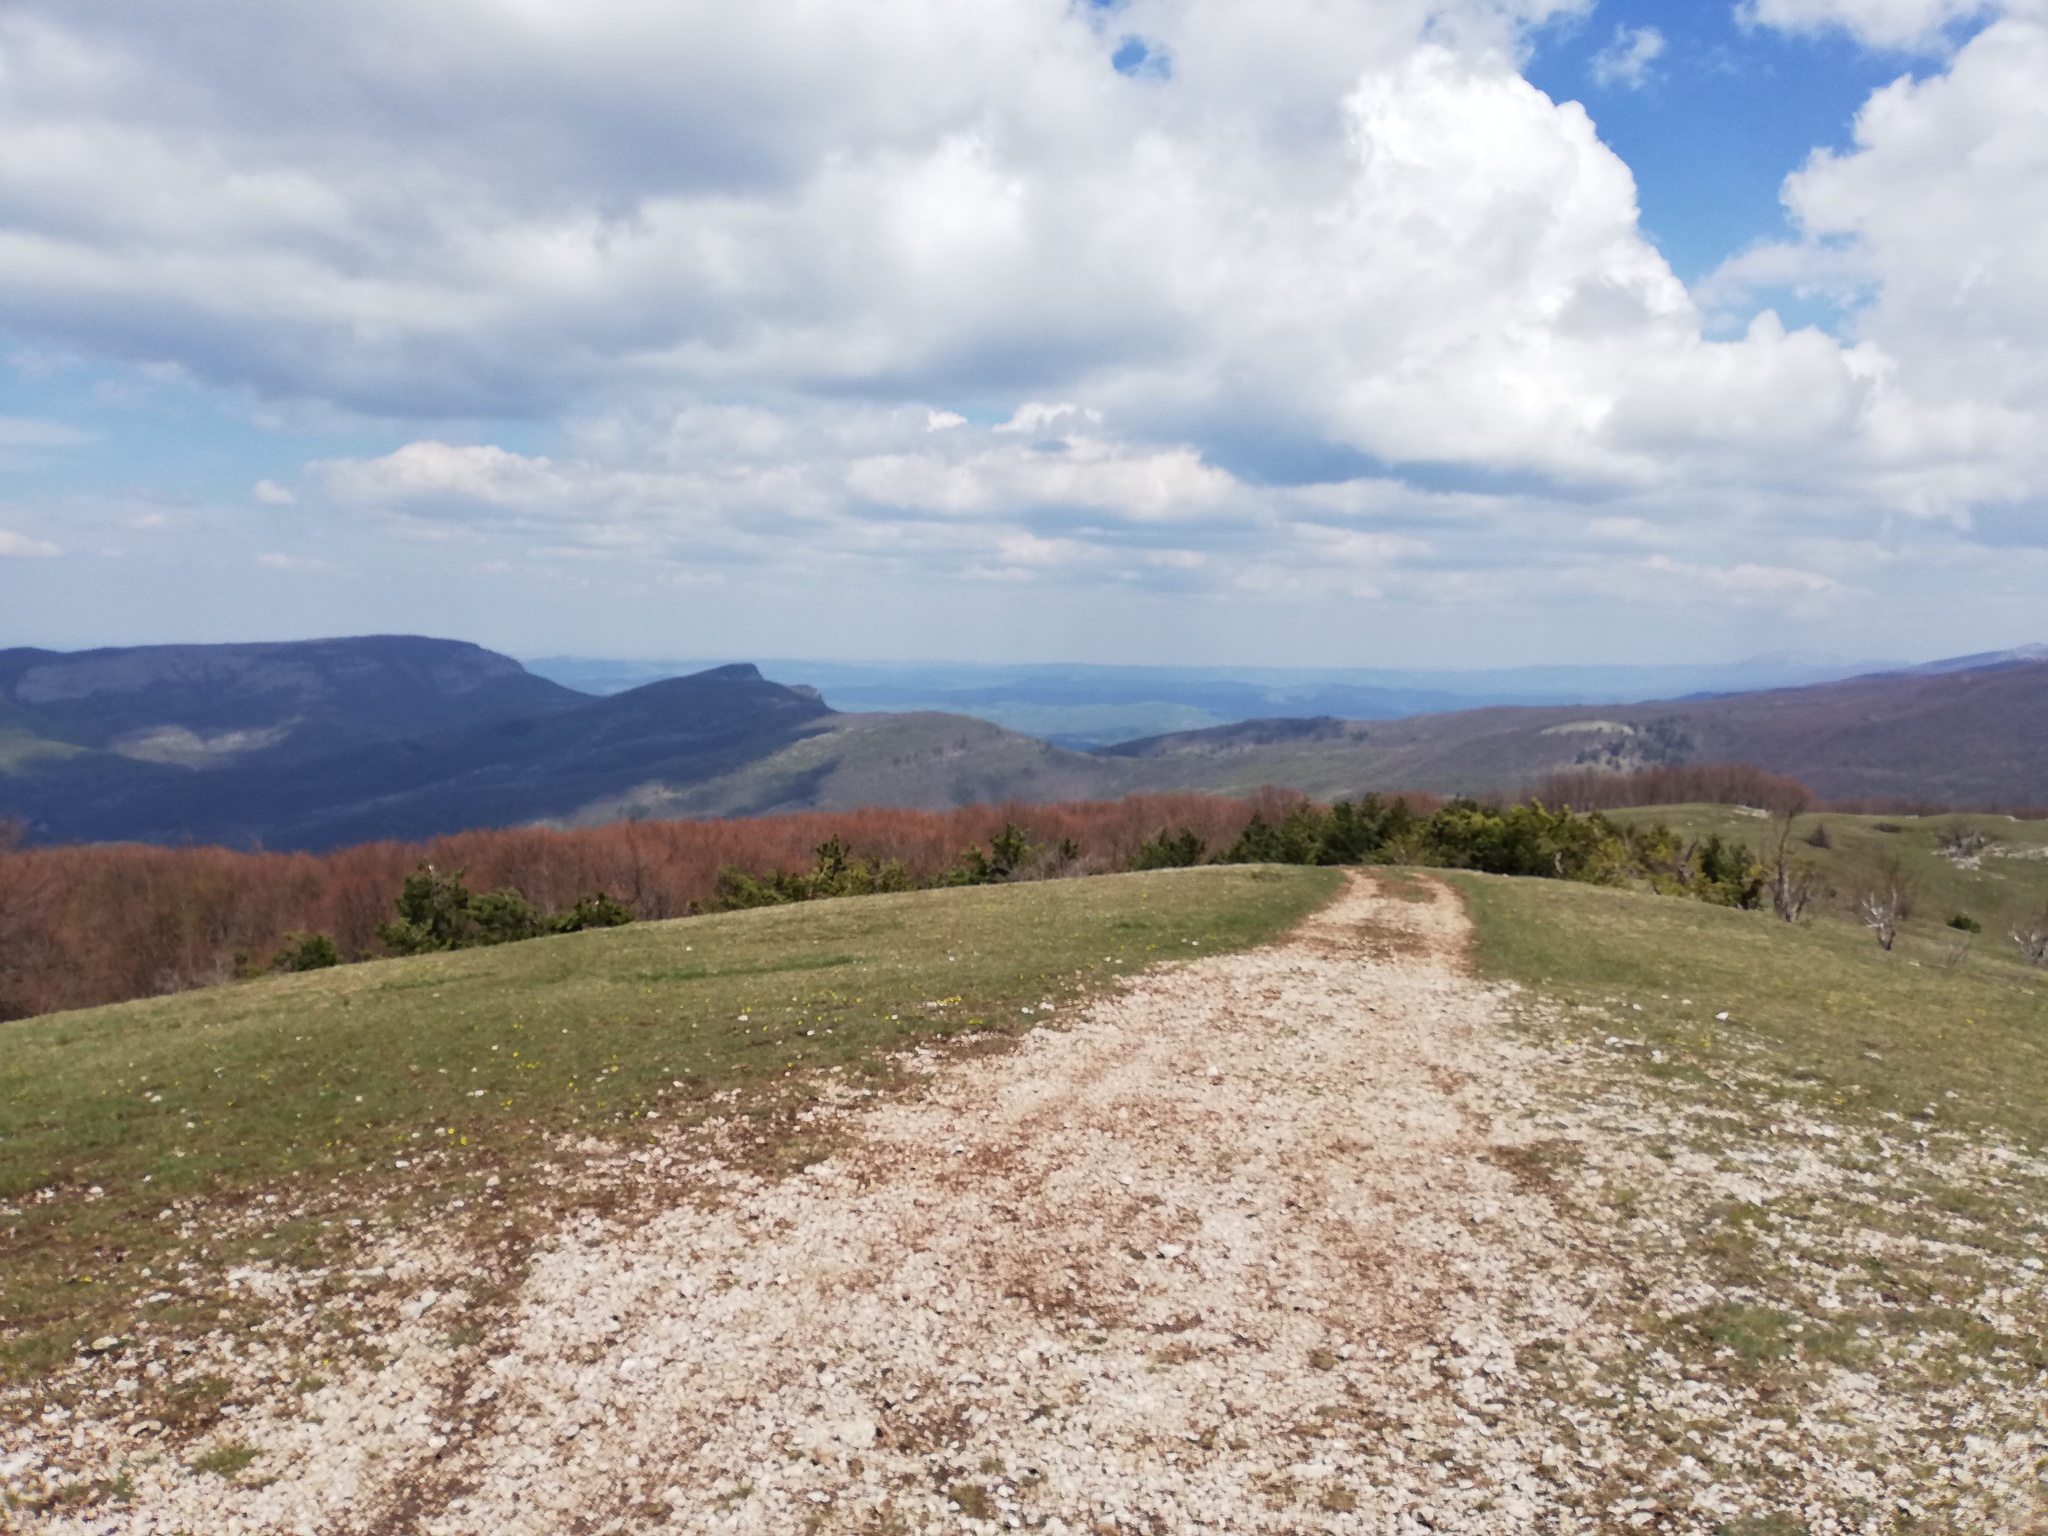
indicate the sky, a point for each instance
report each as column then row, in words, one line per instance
column 1419, row 333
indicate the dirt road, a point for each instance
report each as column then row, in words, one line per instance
column 1260, row 1245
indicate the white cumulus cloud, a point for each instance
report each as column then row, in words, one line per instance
column 1936, row 224
column 1339, row 303
column 1908, row 24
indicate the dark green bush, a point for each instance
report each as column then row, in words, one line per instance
column 836, row 872
column 433, row 914
column 1368, row 830
column 1727, row 874
column 1008, row 852
column 1528, row 840
column 305, row 952
column 504, row 917
column 437, row 912
column 1962, row 922
column 1170, row 850
column 1298, row 839
column 598, row 911
column 1362, row 830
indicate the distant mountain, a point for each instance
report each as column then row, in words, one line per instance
column 1984, row 661
column 921, row 760
column 331, row 742
column 1095, row 706
column 200, row 705
column 342, row 741
column 507, row 772
column 1970, row 736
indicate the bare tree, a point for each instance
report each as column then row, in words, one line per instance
column 1885, row 904
column 1792, row 883
column 1962, row 844
column 2032, row 938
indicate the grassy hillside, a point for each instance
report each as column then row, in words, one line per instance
column 911, row 760
column 20, row 749
column 1820, row 1167
column 1946, row 1018
column 1818, row 1008
column 1998, row 885
column 1958, row 737
column 147, row 1148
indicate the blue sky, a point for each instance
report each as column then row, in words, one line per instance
column 1718, row 115
column 1163, row 331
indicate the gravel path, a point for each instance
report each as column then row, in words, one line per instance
column 1163, row 1268
column 1256, row 1246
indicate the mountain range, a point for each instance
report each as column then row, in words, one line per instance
column 318, row 744
column 1090, row 706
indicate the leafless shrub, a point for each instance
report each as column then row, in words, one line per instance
column 1793, row 883
column 2032, row 938
column 1794, row 887
column 1885, row 904
column 1962, row 845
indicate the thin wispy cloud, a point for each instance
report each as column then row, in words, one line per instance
column 15, row 546
column 1915, row 25
column 1626, row 61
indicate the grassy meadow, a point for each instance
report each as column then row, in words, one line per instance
column 1948, row 1018
column 1999, row 888
column 1820, row 1162
column 1819, row 1006
column 131, row 1134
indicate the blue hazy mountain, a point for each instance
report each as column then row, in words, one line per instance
column 320, row 743
column 323, row 743
column 1096, row 706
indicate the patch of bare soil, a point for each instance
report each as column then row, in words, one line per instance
column 1295, row 1240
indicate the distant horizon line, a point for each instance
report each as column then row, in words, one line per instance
column 1766, row 658
column 1786, row 659
column 1782, row 659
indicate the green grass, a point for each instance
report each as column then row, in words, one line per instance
column 131, row 1135
column 1830, row 1016
column 1826, row 1181
column 228, row 1461
column 2009, row 885
column 19, row 749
